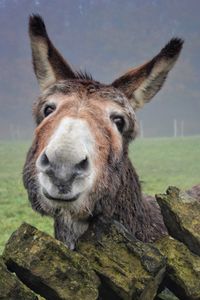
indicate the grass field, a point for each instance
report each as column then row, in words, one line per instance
column 160, row 163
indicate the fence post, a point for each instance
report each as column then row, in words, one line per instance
column 175, row 128
column 141, row 130
column 182, row 128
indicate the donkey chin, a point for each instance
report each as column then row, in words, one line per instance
column 64, row 195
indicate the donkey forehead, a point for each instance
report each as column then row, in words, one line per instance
column 85, row 90
column 75, row 96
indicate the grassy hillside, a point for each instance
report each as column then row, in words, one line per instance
column 160, row 162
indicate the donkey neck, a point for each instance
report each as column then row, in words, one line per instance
column 133, row 211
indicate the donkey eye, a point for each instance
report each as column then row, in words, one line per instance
column 119, row 122
column 49, row 109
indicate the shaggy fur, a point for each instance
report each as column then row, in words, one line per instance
column 116, row 192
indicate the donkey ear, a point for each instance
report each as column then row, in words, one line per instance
column 49, row 65
column 142, row 83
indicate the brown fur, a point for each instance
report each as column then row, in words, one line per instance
column 116, row 192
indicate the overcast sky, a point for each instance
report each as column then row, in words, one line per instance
column 106, row 37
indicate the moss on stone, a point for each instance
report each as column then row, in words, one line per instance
column 11, row 288
column 48, row 267
column 181, row 214
column 132, row 269
column 183, row 268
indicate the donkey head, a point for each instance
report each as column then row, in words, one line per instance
column 84, row 127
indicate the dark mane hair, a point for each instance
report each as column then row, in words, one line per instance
column 84, row 75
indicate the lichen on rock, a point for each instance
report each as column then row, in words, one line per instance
column 11, row 288
column 181, row 214
column 183, row 268
column 128, row 267
column 48, row 267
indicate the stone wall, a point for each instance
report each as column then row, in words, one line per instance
column 109, row 263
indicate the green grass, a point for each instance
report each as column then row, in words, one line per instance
column 160, row 163
column 167, row 161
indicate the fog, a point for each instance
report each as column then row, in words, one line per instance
column 106, row 38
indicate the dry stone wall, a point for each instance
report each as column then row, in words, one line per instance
column 109, row 263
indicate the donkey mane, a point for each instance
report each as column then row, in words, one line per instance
column 78, row 166
column 85, row 75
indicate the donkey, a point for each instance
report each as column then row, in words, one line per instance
column 78, row 167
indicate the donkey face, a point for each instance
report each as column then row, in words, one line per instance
column 83, row 127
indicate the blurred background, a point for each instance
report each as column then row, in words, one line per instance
column 105, row 37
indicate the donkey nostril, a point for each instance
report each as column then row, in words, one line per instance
column 44, row 161
column 82, row 165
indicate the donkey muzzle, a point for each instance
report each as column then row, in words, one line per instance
column 65, row 167
column 61, row 173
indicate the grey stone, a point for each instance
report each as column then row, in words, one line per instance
column 48, row 267
column 11, row 288
column 181, row 214
column 183, row 269
column 128, row 268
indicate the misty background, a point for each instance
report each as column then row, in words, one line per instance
column 104, row 37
